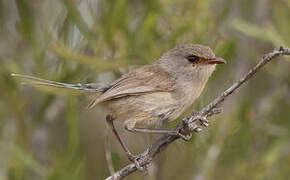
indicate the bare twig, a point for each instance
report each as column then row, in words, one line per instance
column 193, row 123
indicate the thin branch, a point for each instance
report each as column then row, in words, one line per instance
column 193, row 123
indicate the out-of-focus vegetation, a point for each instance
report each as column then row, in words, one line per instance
column 48, row 133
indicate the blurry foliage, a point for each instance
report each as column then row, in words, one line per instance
column 275, row 32
column 44, row 136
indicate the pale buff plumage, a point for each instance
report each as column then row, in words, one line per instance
column 160, row 91
column 153, row 93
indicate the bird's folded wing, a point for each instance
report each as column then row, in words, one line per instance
column 147, row 79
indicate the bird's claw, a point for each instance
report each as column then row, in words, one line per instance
column 177, row 132
column 185, row 137
column 215, row 111
column 198, row 129
column 203, row 121
column 134, row 159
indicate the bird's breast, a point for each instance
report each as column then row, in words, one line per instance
column 147, row 109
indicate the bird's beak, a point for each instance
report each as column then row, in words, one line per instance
column 217, row 60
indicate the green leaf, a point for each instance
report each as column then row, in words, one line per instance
column 99, row 64
column 268, row 33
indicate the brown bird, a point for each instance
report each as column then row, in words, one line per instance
column 153, row 93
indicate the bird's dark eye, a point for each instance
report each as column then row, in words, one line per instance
column 192, row 58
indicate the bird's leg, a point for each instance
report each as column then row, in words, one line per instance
column 203, row 119
column 160, row 131
column 130, row 156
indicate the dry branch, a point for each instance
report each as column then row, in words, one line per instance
column 193, row 123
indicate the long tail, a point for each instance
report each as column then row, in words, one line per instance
column 94, row 87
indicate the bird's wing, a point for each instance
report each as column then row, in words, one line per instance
column 144, row 80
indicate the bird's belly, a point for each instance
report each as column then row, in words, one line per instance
column 143, row 110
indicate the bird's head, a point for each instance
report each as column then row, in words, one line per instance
column 190, row 60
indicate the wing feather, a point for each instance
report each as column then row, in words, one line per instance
column 147, row 79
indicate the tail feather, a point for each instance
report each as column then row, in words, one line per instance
column 94, row 87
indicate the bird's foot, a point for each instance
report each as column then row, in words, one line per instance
column 197, row 122
column 134, row 159
column 177, row 132
column 203, row 121
column 215, row 111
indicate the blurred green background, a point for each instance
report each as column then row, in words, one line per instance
column 48, row 133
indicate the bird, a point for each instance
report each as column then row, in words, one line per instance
column 152, row 93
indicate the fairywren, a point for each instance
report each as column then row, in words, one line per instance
column 153, row 93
